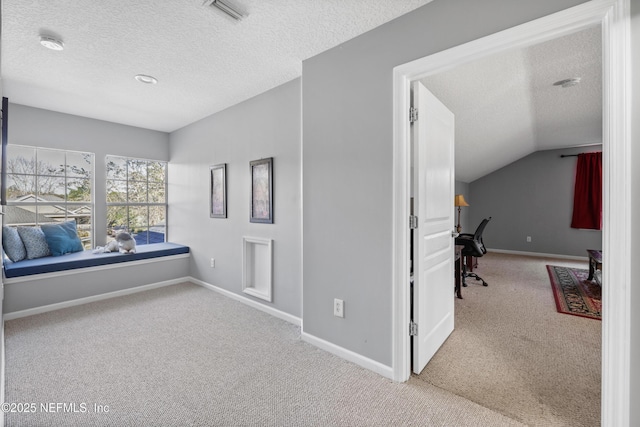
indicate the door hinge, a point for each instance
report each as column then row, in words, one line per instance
column 413, row 329
column 413, row 114
column 413, row 222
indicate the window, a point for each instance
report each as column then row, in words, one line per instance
column 137, row 199
column 46, row 185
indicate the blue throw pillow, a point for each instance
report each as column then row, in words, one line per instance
column 34, row 242
column 62, row 237
column 12, row 244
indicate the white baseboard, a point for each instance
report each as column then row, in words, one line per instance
column 269, row 310
column 358, row 359
column 539, row 254
column 372, row 365
column 93, row 298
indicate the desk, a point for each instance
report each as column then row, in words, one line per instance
column 458, row 270
column 595, row 262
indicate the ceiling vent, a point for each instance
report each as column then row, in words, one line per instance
column 568, row 82
column 225, row 7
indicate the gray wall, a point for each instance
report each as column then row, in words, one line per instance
column 347, row 167
column 635, row 211
column 533, row 197
column 265, row 126
column 347, row 162
column 44, row 128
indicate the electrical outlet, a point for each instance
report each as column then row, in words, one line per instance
column 213, row 263
column 528, row 239
column 338, row 307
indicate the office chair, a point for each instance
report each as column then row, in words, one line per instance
column 473, row 247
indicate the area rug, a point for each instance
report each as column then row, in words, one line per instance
column 574, row 294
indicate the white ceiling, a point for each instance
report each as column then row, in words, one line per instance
column 204, row 61
column 507, row 107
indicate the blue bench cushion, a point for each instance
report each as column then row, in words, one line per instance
column 85, row 259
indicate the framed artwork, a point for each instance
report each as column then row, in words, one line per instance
column 262, row 191
column 218, row 193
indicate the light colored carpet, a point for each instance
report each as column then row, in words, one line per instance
column 186, row 356
column 511, row 351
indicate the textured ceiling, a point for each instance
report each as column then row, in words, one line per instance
column 507, row 107
column 204, row 61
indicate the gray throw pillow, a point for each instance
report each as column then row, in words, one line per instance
column 12, row 244
column 34, row 242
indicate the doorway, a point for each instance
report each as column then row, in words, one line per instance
column 613, row 16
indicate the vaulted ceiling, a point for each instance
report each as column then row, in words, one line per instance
column 506, row 106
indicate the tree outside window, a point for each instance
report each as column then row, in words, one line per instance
column 136, row 199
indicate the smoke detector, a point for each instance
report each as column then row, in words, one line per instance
column 143, row 78
column 51, row 42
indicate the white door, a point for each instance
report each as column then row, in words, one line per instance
column 433, row 255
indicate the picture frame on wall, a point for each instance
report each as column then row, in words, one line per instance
column 261, row 191
column 218, row 191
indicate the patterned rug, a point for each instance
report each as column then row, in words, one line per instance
column 574, row 294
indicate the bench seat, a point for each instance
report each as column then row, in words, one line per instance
column 86, row 259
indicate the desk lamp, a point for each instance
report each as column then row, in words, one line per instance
column 459, row 201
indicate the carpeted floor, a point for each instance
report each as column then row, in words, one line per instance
column 511, row 350
column 187, row 356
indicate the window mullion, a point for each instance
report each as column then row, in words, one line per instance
column 66, row 188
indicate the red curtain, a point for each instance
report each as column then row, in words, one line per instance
column 587, row 197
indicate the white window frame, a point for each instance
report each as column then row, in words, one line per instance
column 64, row 203
column 147, row 203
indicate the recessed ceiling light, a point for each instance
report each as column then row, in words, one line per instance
column 568, row 82
column 143, row 78
column 51, row 42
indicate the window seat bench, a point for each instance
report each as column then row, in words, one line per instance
column 51, row 283
column 86, row 259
